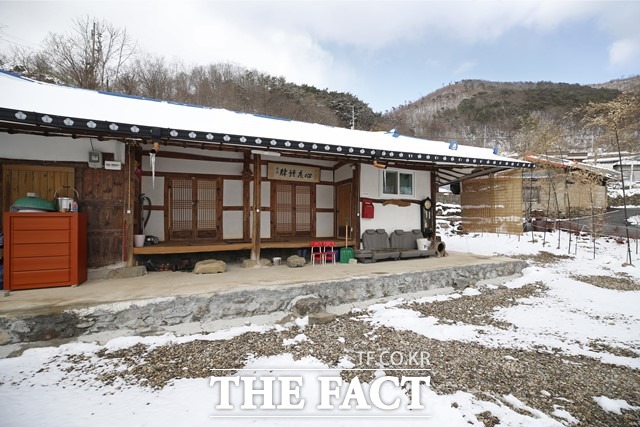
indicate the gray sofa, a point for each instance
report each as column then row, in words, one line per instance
column 406, row 243
column 377, row 245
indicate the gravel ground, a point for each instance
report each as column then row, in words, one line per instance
column 544, row 379
column 607, row 282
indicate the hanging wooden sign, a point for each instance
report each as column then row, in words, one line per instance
column 291, row 172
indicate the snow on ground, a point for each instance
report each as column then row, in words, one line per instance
column 615, row 190
column 570, row 317
column 614, row 405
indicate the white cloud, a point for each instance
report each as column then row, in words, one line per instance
column 464, row 68
column 624, row 52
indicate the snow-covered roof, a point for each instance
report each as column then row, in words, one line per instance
column 80, row 112
column 565, row 163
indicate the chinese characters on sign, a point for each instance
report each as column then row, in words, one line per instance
column 291, row 172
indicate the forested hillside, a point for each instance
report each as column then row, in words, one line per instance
column 484, row 113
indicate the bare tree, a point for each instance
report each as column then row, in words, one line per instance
column 30, row 64
column 621, row 118
column 91, row 55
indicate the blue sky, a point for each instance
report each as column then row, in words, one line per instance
column 385, row 52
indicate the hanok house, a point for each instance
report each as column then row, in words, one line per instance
column 216, row 180
column 563, row 188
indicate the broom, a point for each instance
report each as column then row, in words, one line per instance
column 346, row 253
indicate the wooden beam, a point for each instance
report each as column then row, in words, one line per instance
column 189, row 247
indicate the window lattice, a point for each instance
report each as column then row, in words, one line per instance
column 182, row 205
column 206, row 205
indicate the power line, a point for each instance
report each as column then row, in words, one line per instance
column 16, row 40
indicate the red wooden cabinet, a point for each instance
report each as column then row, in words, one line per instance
column 43, row 250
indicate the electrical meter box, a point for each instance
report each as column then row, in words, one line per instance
column 95, row 159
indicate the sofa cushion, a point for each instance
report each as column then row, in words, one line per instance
column 376, row 246
column 375, row 239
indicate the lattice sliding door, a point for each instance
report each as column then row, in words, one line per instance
column 292, row 210
column 193, row 208
column 303, row 210
column 283, row 210
column 207, row 212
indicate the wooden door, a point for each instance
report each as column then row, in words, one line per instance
column 194, row 208
column 292, row 210
column 344, row 209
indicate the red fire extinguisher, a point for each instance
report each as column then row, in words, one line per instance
column 367, row 208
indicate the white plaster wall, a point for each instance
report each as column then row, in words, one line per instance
column 324, row 196
column 324, row 224
column 196, row 151
column 344, row 173
column 326, row 175
column 212, row 167
column 232, row 225
column 265, row 194
column 232, row 192
column 300, row 161
column 265, row 224
column 392, row 217
column 155, row 226
column 155, row 193
column 34, row 147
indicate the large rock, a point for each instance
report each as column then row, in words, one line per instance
column 296, row 261
column 210, row 266
column 321, row 318
column 127, row 272
column 304, row 305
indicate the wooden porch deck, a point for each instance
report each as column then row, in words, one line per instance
column 195, row 246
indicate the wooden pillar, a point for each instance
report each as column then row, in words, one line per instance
column 356, row 197
column 247, row 177
column 130, row 202
column 257, row 202
column 434, row 197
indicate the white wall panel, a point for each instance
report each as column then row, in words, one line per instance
column 265, row 225
column 232, row 192
column 155, row 226
column 52, row 148
column 324, row 224
column 324, row 196
column 344, row 173
column 232, row 225
column 155, row 193
column 326, row 175
column 265, row 193
column 164, row 164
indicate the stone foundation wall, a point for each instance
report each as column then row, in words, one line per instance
column 145, row 315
